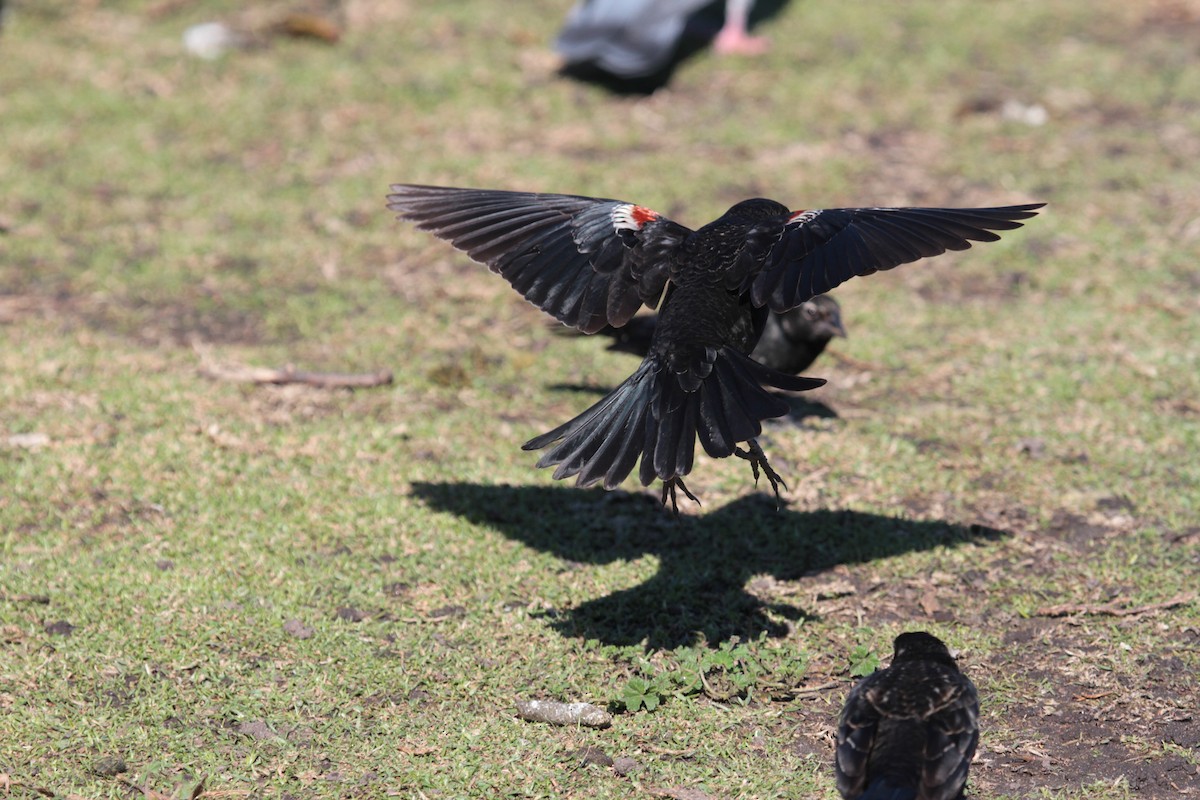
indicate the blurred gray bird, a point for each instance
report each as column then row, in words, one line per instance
column 909, row 732
column 637, row 38
column 790, row 341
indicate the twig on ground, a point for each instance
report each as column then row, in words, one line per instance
column 856, row 363
column 664, row 751
column 821, row 687
column 680, row 793
column 241, row 373
column 1112, row 609
column 8, row 784
column 289, row 374
column 40, row 599
column 146, row 792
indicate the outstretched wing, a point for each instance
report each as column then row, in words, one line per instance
column 821, row 248
column 587, row 261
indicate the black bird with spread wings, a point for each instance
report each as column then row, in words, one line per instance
column 592, row 262
column 909, row 732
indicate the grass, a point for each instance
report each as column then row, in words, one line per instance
column 289, row 591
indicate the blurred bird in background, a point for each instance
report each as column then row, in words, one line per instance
column 638, row 41
column 790, row 341
column 909, row 732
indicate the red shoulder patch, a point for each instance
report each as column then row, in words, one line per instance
column 641, row 215
column 630, row 217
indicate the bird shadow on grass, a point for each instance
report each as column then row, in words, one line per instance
column 699, row 591
column 702, row 28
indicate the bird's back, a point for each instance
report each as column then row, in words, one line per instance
column 899, row 752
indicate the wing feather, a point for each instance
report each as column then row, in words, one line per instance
column 823, row 248
column 587, row 261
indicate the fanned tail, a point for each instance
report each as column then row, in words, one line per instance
column 651, row 416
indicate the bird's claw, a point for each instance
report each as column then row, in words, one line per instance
column 758, row 459
column 668, row 490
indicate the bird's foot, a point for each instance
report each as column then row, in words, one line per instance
column 668, row 490
column 731, row 41
column 758, row 459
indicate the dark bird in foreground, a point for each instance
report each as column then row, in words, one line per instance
column 909, row 732
column 790, row 341
column 591, row 262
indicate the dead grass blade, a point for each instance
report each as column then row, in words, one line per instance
column 1113, row 609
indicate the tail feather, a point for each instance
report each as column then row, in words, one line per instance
column 608, row 454
column 715, row 430
column 880, row 789
column 746, row 402
column 675, row 442
column 652, row 416
column 773, row 377
column 619, row 452
column 734, row 402
column 619, row 416
column 584, row 458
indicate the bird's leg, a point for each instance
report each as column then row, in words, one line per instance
column 758, row 458
column 734, row 36
column 668, row 489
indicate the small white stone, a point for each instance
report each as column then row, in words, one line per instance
column 30, row 441
column 208, row 40
column 1034, row 115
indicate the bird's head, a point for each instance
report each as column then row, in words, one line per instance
column 921, row 646
column 818, row 318
column 757, row 208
